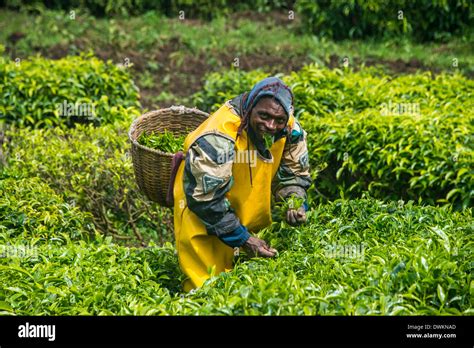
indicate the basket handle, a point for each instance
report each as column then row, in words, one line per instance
column 175, row 162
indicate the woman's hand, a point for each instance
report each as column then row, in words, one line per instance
column 296, row 216
column 258, row 247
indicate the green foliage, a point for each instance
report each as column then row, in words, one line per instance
column 220, row 87
column 164, row 141
column 42, row 93
column 54, row 34
column 45, row 29
column 405, row 257
column 280, row 208
column 32, row 211
column 90, row 168
column 321, row 91
column 80, row 278
column 191, row 8
column 268, row 140
column 398, row 138
column 403, row 253
column 405, row 137
column 394, row 157
column 423, row 19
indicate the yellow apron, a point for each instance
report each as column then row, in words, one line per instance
column 201, row 255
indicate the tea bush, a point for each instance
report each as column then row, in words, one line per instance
column 90, row 168
column 323, row 91
column 219, row 87
column 40, row 92
column 192, row 9
column 30, row 210
column 423, row 20
column 394, row 157
column 360, row 257
column 404, row 137
column 80, row 278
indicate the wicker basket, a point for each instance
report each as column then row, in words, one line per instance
column 153, row 167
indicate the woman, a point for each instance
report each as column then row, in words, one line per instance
column 248, row 149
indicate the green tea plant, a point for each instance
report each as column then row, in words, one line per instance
column 39, row 92
column 95, row 278
column 90, row 167
column 165, row 141
column 280, row 208
column 32, row 211
column 358, row 257
column 393, row 157
column 423, row 20
column 220, row 87
column 404, row 137
column 321, row 91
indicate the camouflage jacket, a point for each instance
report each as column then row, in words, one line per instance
column 208, row 177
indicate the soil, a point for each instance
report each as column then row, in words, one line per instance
column 186, row 71
column 397, row 66
column 283, row 17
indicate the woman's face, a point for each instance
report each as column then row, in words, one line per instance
column 267, row 116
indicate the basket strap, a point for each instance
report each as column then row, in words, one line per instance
column 175, row 162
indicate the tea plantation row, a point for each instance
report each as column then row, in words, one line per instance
column 411, row 260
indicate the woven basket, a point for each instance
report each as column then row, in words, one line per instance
column 153, row 167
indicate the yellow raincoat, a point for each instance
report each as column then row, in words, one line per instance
column 202, row 255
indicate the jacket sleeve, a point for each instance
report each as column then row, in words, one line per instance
column 207, row 178
column 293, row 176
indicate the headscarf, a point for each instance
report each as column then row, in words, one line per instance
column 269, row 87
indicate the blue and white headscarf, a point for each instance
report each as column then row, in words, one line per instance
column 269, row 87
